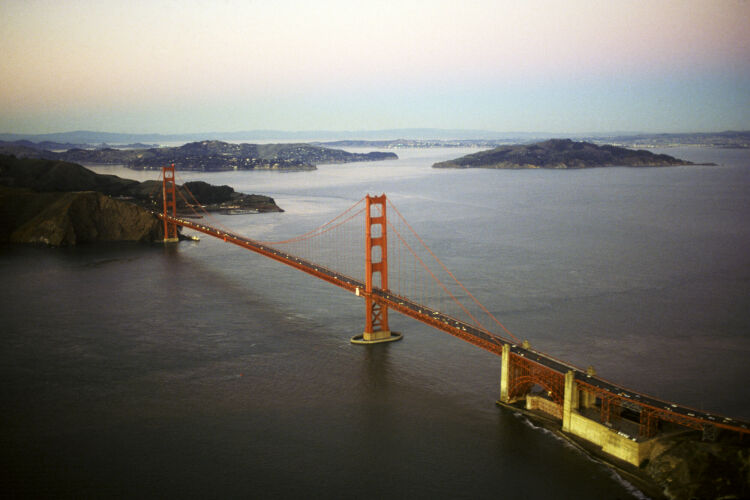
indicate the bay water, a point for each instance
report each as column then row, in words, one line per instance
column 204, row 370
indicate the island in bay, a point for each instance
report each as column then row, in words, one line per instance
column 204, row 156
column 561, row 154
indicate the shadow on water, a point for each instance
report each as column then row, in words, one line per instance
column 376, row 371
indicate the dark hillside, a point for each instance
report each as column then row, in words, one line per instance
column 59, row 203
column 51, row 175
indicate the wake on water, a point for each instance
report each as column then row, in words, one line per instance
column 627, row 485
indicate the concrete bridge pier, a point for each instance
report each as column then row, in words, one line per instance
column 505, row 374
column 570, row 400
column 588, row 399
column 609, row 439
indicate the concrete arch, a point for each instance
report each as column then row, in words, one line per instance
column 521, row 385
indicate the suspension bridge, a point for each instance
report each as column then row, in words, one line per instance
column 400, row 273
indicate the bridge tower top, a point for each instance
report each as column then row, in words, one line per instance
column 376, row 239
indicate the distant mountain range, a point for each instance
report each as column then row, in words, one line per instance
column 89, row 138
column 64, row 146
column 92, row 137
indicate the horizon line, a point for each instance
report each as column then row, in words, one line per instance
column 373, row 131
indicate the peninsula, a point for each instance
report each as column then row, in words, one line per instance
column 61, row 204
column 561, row 154
column 204, row 156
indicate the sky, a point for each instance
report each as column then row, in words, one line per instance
column 577, row 66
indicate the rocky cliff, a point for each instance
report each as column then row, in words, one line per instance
column 687, row 468
column 70, row 218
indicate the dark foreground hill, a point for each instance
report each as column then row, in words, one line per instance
column 561, row 154
column 59, row 203
column 70, row 218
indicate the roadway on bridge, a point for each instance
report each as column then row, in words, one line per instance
column 478, row 336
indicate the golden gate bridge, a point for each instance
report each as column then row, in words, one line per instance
column 400, row 273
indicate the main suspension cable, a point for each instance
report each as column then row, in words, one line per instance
column 433, row 276
column 319, row 230
column 451, row 274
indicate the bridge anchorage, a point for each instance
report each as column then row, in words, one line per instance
column 376, row 262
column 624, row 423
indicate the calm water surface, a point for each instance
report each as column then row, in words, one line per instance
column 204, row 370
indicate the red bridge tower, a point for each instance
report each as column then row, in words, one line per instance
column 376, row 262
column 170, row 203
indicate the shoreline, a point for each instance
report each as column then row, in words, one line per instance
column 628, row 473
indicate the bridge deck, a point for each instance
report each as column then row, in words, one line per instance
column 628, row 398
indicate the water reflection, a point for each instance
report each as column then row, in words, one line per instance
column 376, row 370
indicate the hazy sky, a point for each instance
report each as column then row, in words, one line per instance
column 503, row 65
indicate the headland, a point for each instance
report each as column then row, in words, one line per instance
column 59, row 203
column 204, row 156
